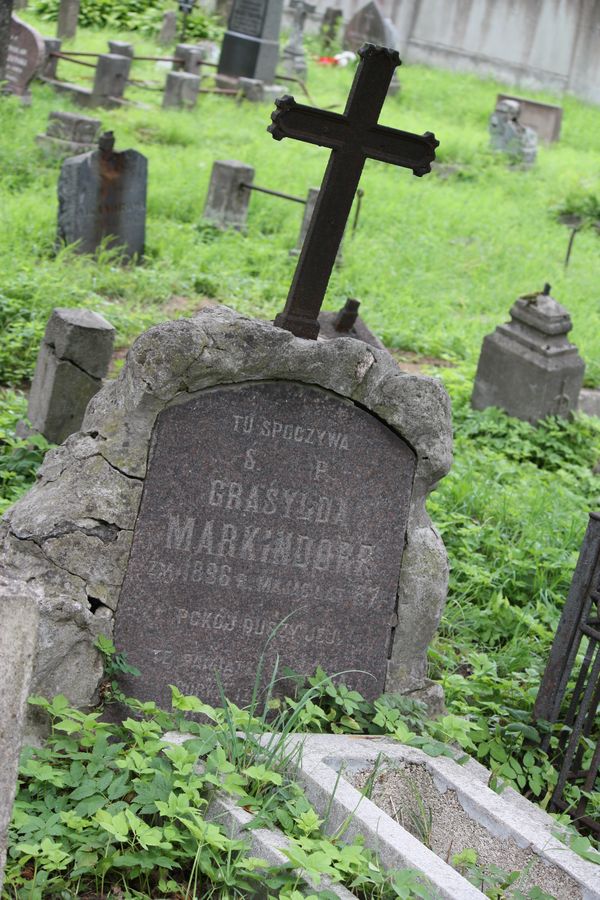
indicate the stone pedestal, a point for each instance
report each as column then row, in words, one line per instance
column 72, row 361
column 52, row 45
column 68, row 15
column 121, row 48
column 191, row 57
column 528, row 367
column 110, row 81
column 253, row 90
column 250, row 45
column 227, row 200
column 181, row 91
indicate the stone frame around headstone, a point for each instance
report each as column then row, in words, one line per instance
column 70, row 536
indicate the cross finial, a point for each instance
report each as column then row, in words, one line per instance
column 352, row 137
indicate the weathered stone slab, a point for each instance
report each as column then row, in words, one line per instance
column 544, row 118
column 73, row 359
column 250, row 45
column 69, row 537
column 18, row 638
column 227, row 199
column 181, row 91
column 69, row 133
column 25, row 57
column 297, row 506
column 102, row 197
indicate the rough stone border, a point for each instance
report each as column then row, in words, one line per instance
column 69, row 537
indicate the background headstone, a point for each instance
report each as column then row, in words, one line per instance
column 69, row 133
column 509, row 136
column 191, row 56
column 102, row 195
column 85, row 509
column 330, row 26
column 50, row 68
column 72, row 361
column 68, row 16
column 6, row 9
column 257, row 91
column 18, row 638
column 227, row 200
column 369, row 25
column 181, row 90
column 110, row 79
column 528, row 367
column 544, row 118
column 250, row 45
column 25, row 57
column 294, row 54
column 168, row 29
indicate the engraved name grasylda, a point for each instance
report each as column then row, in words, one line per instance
column 290, row 431
column 274, row 547
column 271, row 501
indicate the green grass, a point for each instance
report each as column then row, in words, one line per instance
column 436, row 262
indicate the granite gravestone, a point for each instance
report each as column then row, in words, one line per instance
column 102, row 200
column 280, row 477
column 250, row 45
column 24, row 59
column 369, row 25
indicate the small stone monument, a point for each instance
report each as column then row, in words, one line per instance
column 239, row 484
column 25, row 58
column 69, row 133
column 18, row 638
column 181, row 91
column 121, row 48
column 294, row 54
column 507, row 135
column 52, row 48
column 227, row 199
column 110, row 79
column 528, row 367
column 102, row 200
column 189, row 58
column 250, row 45
column 168, row 29
column 544, row 118
column 73, row 359
column 68, row 16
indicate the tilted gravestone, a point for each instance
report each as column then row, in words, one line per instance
column 102, row 200
column 282, row 479
column 68, row 17
column 69, row 133
column 168, row 29
column 72, row 361
column 528, row 367
column 24, row 59
column 18, row 638
column 250, row 45
column 369, row 25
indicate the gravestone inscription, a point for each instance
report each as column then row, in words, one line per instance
column 102, row 198
column 250, row 45
column 265, row 505
column 24, row 58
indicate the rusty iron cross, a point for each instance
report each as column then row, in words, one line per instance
column 353, row 137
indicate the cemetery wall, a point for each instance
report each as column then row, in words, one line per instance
column 538, row 44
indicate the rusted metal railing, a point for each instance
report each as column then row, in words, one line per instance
column 575, row 654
